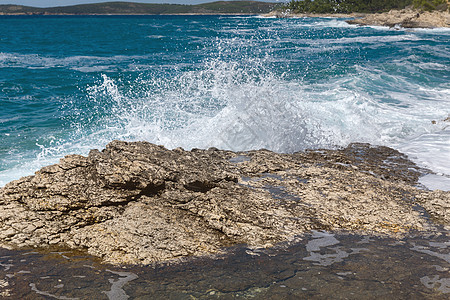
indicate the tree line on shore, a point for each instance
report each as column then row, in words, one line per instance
column 130, row 8
column 362, row 6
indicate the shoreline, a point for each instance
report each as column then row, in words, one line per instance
column 94, row 14
column 406, row 18
column 395, row 18
column 281, row 14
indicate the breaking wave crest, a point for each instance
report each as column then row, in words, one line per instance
column 227, row 105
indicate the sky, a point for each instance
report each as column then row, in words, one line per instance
column 50, row 3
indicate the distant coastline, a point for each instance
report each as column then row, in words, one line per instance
column 131, row 8
column 406, row 18
column 126, row 14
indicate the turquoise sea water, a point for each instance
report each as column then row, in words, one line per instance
column 70, row 84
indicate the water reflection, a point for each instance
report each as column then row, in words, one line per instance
column 319, row 265
column 323, row 240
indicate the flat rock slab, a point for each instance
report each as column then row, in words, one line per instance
column 138, row 203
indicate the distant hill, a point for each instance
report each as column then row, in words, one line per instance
column 131, row 8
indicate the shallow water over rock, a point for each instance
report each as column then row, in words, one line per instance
column 319, row 265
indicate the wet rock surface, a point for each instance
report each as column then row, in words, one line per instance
column 322, row 265
column 138, row 203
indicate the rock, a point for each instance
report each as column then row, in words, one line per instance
column 437, row 204
column 140, row 203
column 293, row 14
column 406, row 18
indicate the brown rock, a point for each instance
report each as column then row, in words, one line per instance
column 406, row 18
column 141, row 203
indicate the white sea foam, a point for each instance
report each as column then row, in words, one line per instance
column 435, row 182
column 432, row 150
column 228, row 105
column 322, row 23
column 79, row 63
column 223, row 106
column 434, row 66
column 374, row 39
column 438, row 30
column 156, row 37
column 260, row 17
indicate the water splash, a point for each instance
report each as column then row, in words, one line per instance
column 284, row 85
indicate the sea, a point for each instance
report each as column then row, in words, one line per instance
column 69, row 84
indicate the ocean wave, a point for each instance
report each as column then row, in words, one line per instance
column 322, row 23
column 288, row 85
column 228, row 106
column 78, row 63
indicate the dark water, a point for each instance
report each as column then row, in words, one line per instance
column 319, row 266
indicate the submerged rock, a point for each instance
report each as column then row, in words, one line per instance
column 135, row 202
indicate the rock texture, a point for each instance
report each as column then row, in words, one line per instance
column 406, row 18
column 141, row 203
column 291, row 14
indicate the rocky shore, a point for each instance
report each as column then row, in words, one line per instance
column 406, row 18
column 138, row 203
column 291, row 14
